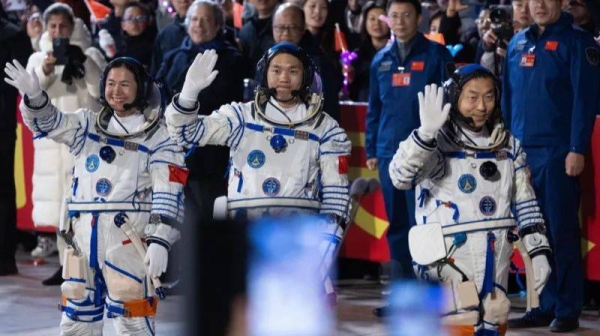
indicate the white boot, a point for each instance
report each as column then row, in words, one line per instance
column 46, row 247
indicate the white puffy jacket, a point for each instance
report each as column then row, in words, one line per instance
column 53, row 164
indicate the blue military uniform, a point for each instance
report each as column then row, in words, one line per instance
column 550, row 100
column 393, row 114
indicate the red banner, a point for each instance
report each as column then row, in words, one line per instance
column 366, row 236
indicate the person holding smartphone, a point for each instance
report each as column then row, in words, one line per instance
column 73, row 39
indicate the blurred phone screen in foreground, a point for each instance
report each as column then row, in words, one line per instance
column 286, row 295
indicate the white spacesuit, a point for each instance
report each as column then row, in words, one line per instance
column 285, row 158
column 282, row 159
column 127, row 184
column 467, row 178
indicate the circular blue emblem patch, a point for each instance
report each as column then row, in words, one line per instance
column 487, row 206
column 271, row 186
column 467, row 183
column 103, row 187
column 92, row 163
column 256, row 159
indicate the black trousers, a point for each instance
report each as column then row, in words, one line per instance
column 8, row 203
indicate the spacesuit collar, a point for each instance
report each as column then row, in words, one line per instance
column 152, row 115
column 288, row 115
column 492, row 137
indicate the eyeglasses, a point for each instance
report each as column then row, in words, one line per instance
column 136, row 19
column 290, row 29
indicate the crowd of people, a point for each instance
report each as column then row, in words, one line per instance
column 535, row 65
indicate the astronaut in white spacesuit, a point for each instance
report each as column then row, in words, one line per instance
column 468, row 172
column 287, row 155
column 127, row 187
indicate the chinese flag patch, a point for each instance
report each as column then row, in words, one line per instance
column 178, row 175
column 343, row 163
column 417, row 66
column 551, row 45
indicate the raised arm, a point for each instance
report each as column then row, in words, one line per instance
column 43, row 118
column 223, row 127
column 417, row 157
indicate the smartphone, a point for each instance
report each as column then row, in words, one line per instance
column 59, row 50
column 286, row 293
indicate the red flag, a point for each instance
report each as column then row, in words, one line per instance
column 343, row 164
column 237, row 15
column 99, row 11
column 177, row 174
column 340, row 39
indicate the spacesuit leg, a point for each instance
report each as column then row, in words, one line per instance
column 130, row 299
column 84, row 316
column 83, row 311
column 496, row 305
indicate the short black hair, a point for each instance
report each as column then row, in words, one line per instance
column 145, row 8
column 435, row 15
column 416, row 4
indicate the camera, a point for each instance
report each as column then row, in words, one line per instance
column 501, row 23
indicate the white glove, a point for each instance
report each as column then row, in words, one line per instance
column 541, row 271
column 157, row 258
column 432, row 115
column 200, row 75
column 25, row 82
column 107, row 43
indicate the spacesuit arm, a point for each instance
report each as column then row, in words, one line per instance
column 223, row 127
column 334, row 152
column 527, row 211
column 169, row 175
column 415, row 161
column 46, row 121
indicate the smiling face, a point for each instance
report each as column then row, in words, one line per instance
column 477, row 100
column 202, row 25
column 120, row 89
column 285, row 74
column 316, row 13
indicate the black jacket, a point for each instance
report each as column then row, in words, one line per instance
column 331, row 75
column 169, row 38
column 256, row 37
column 208, row 161
column 20, row 49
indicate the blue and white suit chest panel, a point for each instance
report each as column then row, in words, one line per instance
column 464, row 195
column 256, row 169
column 111, row 172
